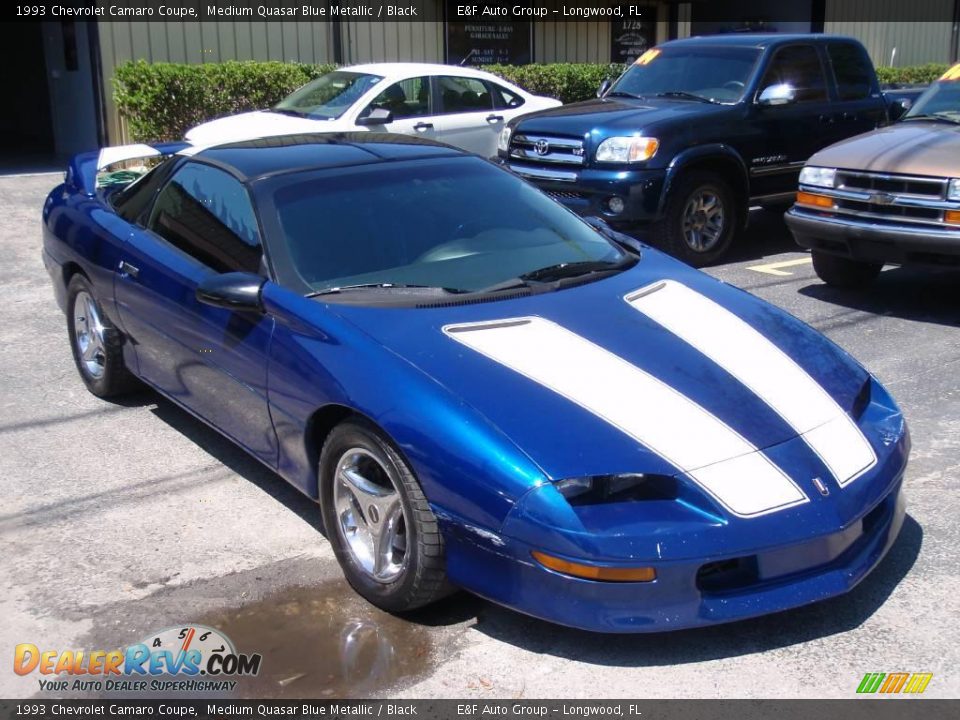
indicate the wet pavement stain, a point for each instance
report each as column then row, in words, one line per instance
column 323, row 641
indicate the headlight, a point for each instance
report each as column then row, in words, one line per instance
column 818, row 176
column 503, row 140
column 627, row 149
column 953, row 190
column 617, row 488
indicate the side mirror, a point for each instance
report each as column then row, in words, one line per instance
column 238, row 291
column 780, row 94
column 604, row 86
column 377, row 116
column 898, row 108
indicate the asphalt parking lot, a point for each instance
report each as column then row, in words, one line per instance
column 120, row 519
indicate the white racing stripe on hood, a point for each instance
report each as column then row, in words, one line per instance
column 717, row 458
column 763, row 368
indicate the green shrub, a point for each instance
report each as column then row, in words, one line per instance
column 568, row 82
column 923, row 74
column 161, row 101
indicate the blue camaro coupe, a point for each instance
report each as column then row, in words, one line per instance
column 481, row 389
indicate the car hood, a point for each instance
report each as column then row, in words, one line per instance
column 256, row 124
column 914, row 147
column 611, row 116
column 547, row 385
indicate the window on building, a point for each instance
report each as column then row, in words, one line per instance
column 852, row 70
column 798, row 66
column 206, row 213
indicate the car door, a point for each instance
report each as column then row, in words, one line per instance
column 789, row 133
column 211, row 360
column 860, row 106
column 410, row 102
column 469, row 118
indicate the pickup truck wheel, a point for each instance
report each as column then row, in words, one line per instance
column 378, row 520
column 97, row 345
column 699, row 221
column 842, row 272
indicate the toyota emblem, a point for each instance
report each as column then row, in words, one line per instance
column 542, row 147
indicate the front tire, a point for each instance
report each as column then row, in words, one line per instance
column 841, row 272
column 96, row 344
column 385, row 536
column 700, row 219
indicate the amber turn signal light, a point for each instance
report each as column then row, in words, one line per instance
column 592, row 572
column 821, row 201
column 952, row 217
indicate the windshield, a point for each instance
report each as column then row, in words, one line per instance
column 329, row 96
column 456, row 223
column 942, row 99
column 713, row 73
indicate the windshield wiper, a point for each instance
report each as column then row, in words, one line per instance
column 380, row 286
column 933, row 116
column 576, row 269
column 621, row 93
column 288, row 111
column 685, row 96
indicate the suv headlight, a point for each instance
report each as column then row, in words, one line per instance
column 818, row 176
column 953, row 191
column 627, row 149
column 503, row 140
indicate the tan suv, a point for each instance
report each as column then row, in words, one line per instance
column 887, row 196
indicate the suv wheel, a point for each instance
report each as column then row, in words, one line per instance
column 700, row 219
column 842, row 272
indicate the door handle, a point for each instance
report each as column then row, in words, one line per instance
column 423, row 126
column 128, row 269
column 494, row 118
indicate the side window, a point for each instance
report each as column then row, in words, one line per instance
column 798, row 66
column 463, row 95
column 405, row 99
column 852, row 70
column 503, row 99
column 207, row 214
column 132, row 201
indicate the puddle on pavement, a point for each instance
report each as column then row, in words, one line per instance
column 323, row 642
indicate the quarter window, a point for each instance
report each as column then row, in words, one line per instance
column 852, row 70
column 463, row 95
column 798, row 66
column 207, row 214
column 405, row 99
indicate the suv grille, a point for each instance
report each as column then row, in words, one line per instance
column 547, row 149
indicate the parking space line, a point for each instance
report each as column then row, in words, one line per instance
column 776, row 268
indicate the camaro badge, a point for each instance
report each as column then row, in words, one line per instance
column 821, row 486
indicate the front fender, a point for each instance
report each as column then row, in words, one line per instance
column 713, row 153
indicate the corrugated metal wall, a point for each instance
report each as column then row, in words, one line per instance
column 392, row 42
column 915, row 42
column 196, row 42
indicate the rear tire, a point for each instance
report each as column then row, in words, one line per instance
column 841, row 272
column 385, row 536
column 700, row 219
column 96, row 344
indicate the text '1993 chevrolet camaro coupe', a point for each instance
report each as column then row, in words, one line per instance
column 482, row 389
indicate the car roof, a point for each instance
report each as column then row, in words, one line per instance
column 259, row 157
column 758, row 40
column 404, row 69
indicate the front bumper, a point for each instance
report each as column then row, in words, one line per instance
column 860, row 239
column 684, row 594
column 587, row 191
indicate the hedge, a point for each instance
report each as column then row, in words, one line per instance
column 913, row 74
column 161, row 101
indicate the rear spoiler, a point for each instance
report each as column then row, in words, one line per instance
column 83, row 168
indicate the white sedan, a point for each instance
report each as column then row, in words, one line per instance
column 461, row 106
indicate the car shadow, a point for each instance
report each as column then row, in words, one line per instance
column 745, row 637
column 911, row 293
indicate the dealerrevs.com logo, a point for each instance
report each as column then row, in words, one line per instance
column 894, row 683
column 187, row 658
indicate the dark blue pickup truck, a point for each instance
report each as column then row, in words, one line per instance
column 698, row 130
